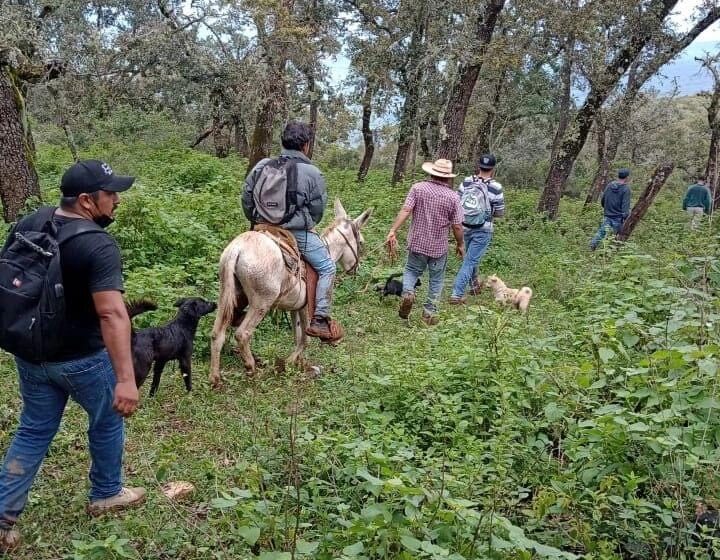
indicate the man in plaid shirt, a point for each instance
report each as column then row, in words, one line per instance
column 435, row 208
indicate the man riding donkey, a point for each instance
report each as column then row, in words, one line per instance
column 288, row 193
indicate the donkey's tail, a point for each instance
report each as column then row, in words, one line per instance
column 229, row 286
column 136, row 307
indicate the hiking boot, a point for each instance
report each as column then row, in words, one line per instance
column 325, row 329
column 454, row 300
column 429, row 319
column 406, row 305
column 9, row 540
column 476, row 288
column 126, row 498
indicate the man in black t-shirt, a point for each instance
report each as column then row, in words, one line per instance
column 95, row 366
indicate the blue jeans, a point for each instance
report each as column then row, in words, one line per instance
column 316, row 253
column 608, row 223
column 414, row 268
column 45, row 389
column 477, row 242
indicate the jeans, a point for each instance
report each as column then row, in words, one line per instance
column 45, row 389
column 316, row 253
column 608, row 223
column 477, row 242
column 696, row 214
column 414, row 268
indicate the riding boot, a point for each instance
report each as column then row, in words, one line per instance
column 326, row 329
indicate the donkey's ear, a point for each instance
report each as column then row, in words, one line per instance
column 362, row 219
column 179, row 302
column 340, row 213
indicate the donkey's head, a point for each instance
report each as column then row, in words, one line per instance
column 344, row 237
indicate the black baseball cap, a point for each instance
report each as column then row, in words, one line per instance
column 487, row 162
column 623, row 173
column 92, row 175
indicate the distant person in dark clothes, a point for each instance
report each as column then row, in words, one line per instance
column 616, row 207
column 697, row 201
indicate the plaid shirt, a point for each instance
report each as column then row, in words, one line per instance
column 435, row 207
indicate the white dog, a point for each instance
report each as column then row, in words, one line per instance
column 520, row 299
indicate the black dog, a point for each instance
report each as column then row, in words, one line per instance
column 393, row 287
column 173, row 341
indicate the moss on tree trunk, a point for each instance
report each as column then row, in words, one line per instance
column 18, row 180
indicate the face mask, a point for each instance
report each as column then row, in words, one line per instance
column 103, row 221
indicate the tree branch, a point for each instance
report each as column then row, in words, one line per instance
column 368, row 18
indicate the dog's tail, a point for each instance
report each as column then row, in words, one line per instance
column 393, row 276
column 136, row 307
column 522, row 300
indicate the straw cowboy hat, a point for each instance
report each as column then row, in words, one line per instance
column 439, row 168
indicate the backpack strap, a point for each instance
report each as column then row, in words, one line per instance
column 37, row 220
column 77, row 227
column 291, row 191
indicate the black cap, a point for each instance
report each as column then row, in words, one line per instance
column 487, row 162
column 623, row 173
column 92, row 175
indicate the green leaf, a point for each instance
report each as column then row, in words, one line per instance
column 630, row 339
column 411, row 543
column 708, row 366
column 606, row 354
column 376, row 510
column 639, row 427
column 305, row 547
column 222, row 503
column 250, row 534
column 354, row 549
column 431, row 548
column 707, row 403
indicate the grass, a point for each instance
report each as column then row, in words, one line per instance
column 488, row 436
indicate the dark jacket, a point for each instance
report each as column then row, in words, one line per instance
column 616, row 200
column 311, row 193
column 697, row 196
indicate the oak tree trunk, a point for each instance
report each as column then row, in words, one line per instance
column 240, row 137
column 571, row 146
column 659, row 176
column 367, row 133
column 459, row 101
column 314, row 105
column 18, row 178
column 411, row 82
column 565, row 96
column 711, row 169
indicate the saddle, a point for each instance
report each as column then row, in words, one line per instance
column 299, row 267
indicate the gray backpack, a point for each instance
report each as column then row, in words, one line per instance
column 475, row 202
column 275, row 192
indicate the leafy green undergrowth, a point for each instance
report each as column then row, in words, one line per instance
column 587, row 429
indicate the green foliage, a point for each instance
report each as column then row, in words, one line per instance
column 586, row 429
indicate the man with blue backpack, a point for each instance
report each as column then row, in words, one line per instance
column 482, row 199
column 63, row 318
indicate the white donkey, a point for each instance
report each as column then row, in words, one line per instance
column 252, row 265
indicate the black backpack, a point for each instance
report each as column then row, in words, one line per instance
column 32, row 297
